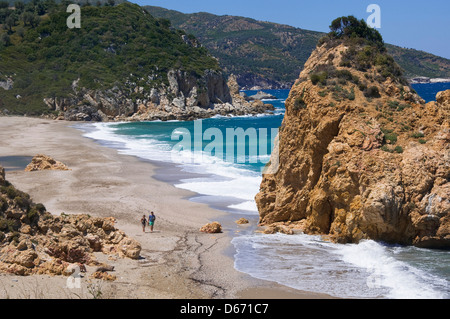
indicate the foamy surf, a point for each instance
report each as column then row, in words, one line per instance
column 225, row 179
column 367, row 270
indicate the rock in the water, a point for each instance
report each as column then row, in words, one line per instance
column 262, row 96
column 242, row 221
column 360, row 157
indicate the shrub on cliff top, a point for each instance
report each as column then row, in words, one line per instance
column 351, row 27
column 366, row 48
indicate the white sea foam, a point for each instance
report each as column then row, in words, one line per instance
column 146, row 148
column 226, row 179
column 403, row 280
column 248, row 206
column 366, row 270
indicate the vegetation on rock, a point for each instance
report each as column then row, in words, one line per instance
column 352, row 162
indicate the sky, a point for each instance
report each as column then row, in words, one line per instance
column 422, row 25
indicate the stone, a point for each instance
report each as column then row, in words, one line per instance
column 43, row 162
column 7, row 85
column 103, row 276
column 242, row 221
column 274, row 229
column 212, row 228
column 261, row 96
column 130, row 248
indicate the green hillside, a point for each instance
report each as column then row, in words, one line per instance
column 259, row 52
column 117, row 48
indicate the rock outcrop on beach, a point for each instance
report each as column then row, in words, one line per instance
column 33, row 241
column 361, row 156
column 42, row 162
column 212, row 228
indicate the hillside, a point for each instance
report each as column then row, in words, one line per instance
column 360, row 155
column 272, row 55
column 120, row 60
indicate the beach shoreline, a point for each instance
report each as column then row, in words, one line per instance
column 177, row 261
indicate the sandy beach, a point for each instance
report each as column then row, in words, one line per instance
column 177, row 261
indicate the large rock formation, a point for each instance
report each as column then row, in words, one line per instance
column 361, row 156
column 186, row 97
column 33, row 241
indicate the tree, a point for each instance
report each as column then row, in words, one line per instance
column 351, row 27
column 20, row 32
column 20, row 6
column 30, row 18
column 4, row 4
column 5, row 40
column 10, row 22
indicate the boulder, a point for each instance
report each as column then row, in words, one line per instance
column 212, row 228
column 242, row 221
column 43, row 162
column 130, row 248
column 262, row 96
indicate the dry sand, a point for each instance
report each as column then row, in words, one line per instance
column 178, row 262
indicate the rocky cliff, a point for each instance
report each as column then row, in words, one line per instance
column 186, row 97
column 361, row 156
column 33, row 241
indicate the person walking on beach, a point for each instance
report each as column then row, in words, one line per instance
column 151, row 221
column 143, row 222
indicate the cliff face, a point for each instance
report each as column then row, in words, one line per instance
column 185, row 97
column 361, row 156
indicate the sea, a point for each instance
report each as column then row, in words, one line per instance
column 221, row 160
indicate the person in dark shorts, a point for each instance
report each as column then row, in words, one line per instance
column 151, row 221
column 143, row 222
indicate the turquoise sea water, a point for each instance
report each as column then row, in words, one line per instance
column 203, row 148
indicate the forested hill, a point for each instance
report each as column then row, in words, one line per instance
column 272, row 55
column 120, row 51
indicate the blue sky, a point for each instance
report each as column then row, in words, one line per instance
column 422, row 25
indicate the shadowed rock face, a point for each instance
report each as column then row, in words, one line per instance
column 361, row 156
